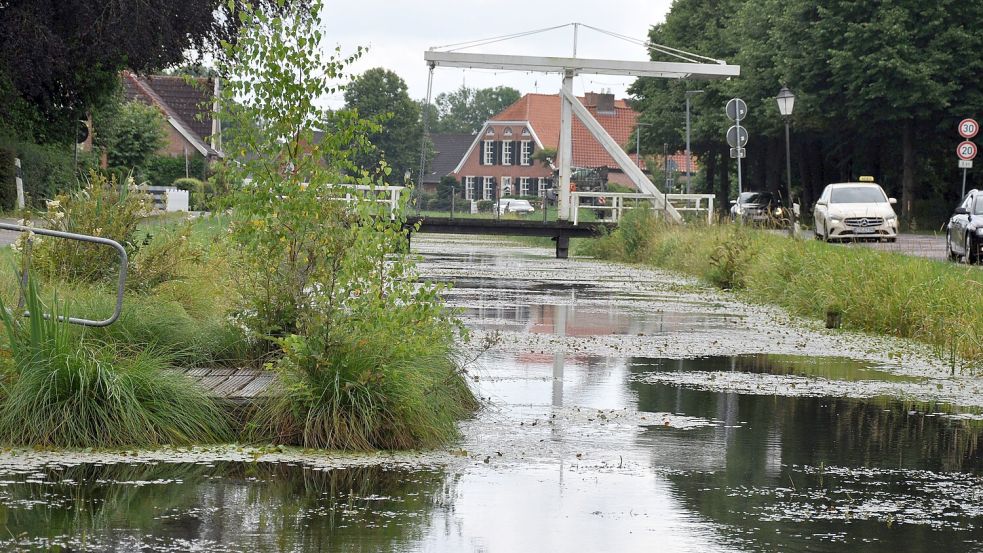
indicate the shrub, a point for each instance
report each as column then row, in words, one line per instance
column 162, row 170
column 485, row 206
column 104, row 207
column 189, row 184
column 64, row 390
column 48, row 170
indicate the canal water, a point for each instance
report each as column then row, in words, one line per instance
column 623, row 410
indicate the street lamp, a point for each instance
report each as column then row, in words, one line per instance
column 786, row 100
column 689, row 156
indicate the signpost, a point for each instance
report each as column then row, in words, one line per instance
column 967, row 150
column 737, row 135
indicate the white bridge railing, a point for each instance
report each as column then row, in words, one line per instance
column 610, row 206
column 383, row 194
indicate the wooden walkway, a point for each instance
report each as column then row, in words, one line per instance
column 235, row 384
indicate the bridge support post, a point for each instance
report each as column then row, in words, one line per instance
column 562, row 246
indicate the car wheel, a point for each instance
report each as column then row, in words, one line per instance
column 953, row 256
column 825, row 232
column 970, row 257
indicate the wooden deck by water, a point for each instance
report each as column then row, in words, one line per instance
column 235, row 384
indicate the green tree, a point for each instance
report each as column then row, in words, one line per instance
column 466, row 109
column 380, row 96
column 136, row 133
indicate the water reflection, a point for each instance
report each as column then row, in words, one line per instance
column 805, row 473
column 218, row 507
column 573, row 320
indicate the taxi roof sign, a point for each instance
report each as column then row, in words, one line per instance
column 866, row 178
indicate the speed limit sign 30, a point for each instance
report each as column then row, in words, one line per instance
column 966, row 150
column 968, row 128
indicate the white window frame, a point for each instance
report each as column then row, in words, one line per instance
column 468, row 188
column 523, row 186
column 541, row 187
column 525, row 157
column 506, row 152
column 488, row 152
column 486, row 187
column 507, row 185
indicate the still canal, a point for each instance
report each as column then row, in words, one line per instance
column 624, row 409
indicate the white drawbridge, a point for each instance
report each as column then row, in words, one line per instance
column 690, row 68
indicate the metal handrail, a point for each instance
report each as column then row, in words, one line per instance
column 94, row 240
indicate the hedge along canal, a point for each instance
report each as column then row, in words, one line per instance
column 624, row 408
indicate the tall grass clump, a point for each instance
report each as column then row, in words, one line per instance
column 934, row 302
column 62, row 389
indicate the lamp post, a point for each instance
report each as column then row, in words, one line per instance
column 689, row 174
column 786, row 100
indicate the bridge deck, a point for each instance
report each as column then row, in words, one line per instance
column 560, row 231
column 231, row 383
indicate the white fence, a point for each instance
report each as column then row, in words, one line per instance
column 168, row 198
column 610, row 206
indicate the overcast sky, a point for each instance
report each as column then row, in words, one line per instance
column 398, row 32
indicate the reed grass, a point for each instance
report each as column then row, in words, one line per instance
column 64, row 389
column 934, row 302
column 375, row 390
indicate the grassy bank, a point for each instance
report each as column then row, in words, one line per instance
column 934, row 302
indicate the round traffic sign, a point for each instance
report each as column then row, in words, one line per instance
column 733, row 135
column 968, row 128
column 736, row 109
column 966, row 150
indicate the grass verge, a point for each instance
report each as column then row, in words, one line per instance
column 934, row 302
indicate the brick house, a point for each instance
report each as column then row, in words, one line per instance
column 192, row 129
column 499, row 161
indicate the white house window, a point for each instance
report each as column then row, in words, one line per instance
column 488, row 153
column 525, row 132
column 525, row 156
column 523, row 186
column 542, row 187
column 486, row 190
column 490, row 131
column 507, row 152
column 468, row 188
column 508, row 131
column 506, row 186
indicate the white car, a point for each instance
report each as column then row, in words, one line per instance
column 506, row 205
column 855, row 211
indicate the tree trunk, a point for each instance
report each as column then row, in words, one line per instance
column 723, row 193
column 908, row 172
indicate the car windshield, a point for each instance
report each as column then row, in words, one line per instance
column 755, row 198
column 978, row 205
column 857, row 195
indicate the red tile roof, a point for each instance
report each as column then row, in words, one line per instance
column 189, row 104
column 542, row 111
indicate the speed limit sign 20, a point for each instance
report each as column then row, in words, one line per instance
column 966, row 150
column 968, row 128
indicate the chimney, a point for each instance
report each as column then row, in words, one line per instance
column 590, row 99
column 605, row 104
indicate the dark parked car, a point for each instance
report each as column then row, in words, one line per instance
column 964, row 234
column 756, row 207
